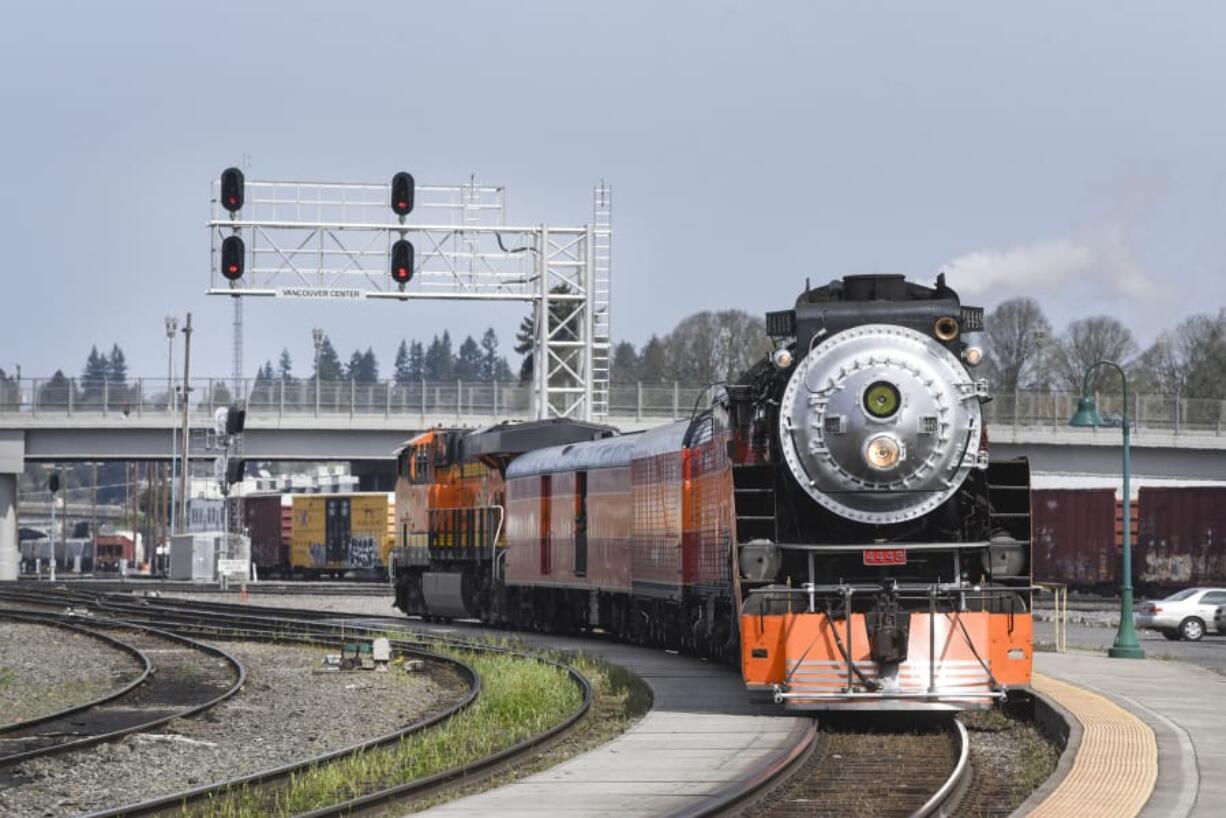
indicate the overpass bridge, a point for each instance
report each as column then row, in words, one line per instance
column 363, row 423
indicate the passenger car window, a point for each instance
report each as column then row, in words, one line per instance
column 1214, row 598
column 1181, row 595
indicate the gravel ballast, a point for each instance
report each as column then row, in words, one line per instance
column 365, row 604
column 44, row 669
column 288, row 710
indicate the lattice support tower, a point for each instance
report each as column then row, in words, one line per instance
column 332, row 241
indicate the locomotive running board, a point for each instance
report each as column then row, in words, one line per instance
column 909, row 546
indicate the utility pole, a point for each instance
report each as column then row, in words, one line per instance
column 93, row 509
column 172, row 329
column 187, row 400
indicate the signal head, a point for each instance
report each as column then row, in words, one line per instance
column 233, row 253
column 232, row 190
column 403, row 190
column 402, row 261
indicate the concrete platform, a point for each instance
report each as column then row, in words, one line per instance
column 1181, row 705
column 701, row 741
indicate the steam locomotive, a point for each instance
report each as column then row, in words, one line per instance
column 831, row 522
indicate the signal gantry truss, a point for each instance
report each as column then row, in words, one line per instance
column 333, row 241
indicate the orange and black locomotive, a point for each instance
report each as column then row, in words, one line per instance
column 831, row 522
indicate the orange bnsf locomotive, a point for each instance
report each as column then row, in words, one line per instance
column 831, row 523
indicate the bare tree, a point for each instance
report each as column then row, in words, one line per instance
column 1088, row 341
column 1016, row 333
column 710, row 347
column 1189, row 360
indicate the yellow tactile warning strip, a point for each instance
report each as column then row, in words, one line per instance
column 1116, row 765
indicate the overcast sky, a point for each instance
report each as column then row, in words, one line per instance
column 1073, row 151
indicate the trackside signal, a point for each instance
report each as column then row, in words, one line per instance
column 236, row 420
column 402, row 261
column 232, row 189
column 403, row 189
column 236, row 470
column 232, row 257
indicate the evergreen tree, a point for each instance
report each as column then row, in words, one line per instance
column 563, row 325
column 625, row 363
column 502, row 370
column 653, row 364
column 525, row 341
column 440, row 363
column 328, row 366
column 54, row 393
column 370, row 366
column 353, row 370
column 400, row 368
column 468, row 362
column 285, row 367
column 117, row 365
column 493, row 366
column 96, row 368
column 417, row 361
column 262, row 389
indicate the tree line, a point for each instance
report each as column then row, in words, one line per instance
column 1023, row 353
column 414, row 362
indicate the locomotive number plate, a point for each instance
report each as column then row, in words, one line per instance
column 885, row 556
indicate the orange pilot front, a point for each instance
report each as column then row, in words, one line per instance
column 903, row 647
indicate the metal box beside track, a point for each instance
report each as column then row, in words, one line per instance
column 193, row 556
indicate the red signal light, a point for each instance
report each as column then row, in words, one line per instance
column 403, row 191
column 232, row 257
column 232, row 192
column 402, row 262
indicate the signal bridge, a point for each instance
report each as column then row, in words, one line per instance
column 403, row 242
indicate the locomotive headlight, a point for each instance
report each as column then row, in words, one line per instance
column 881, row 399
column 972, row 356
column 883, row 452
column 782, row 358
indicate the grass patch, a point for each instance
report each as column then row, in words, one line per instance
column 520, row 698
column 7, row 677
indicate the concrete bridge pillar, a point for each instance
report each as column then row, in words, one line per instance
column 12, row 463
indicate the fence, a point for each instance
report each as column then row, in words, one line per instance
column 488, row 401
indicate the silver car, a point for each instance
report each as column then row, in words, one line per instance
column 1186, row 614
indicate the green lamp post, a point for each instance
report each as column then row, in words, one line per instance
column 1126, row 645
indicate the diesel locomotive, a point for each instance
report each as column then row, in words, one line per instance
column 831, row 522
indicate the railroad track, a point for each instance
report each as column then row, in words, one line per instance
column 884, row 773
column 180, row 681
column 218, row 621
column 354, row 587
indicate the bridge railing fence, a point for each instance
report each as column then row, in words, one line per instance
column 464, row 400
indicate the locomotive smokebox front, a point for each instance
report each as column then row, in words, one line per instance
column 881, row 424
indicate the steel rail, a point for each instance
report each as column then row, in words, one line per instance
column 175, row 802
column 945, row 800
column 315, row 632
column 86, row 741
column 140, row 679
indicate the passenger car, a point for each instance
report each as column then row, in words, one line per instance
column 1184, row 614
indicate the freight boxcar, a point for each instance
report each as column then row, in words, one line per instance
column 267, row 518
column 1181, row 538
column 336, row 533
column 109, row 549
column 1075, row 539
column 77, row 552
